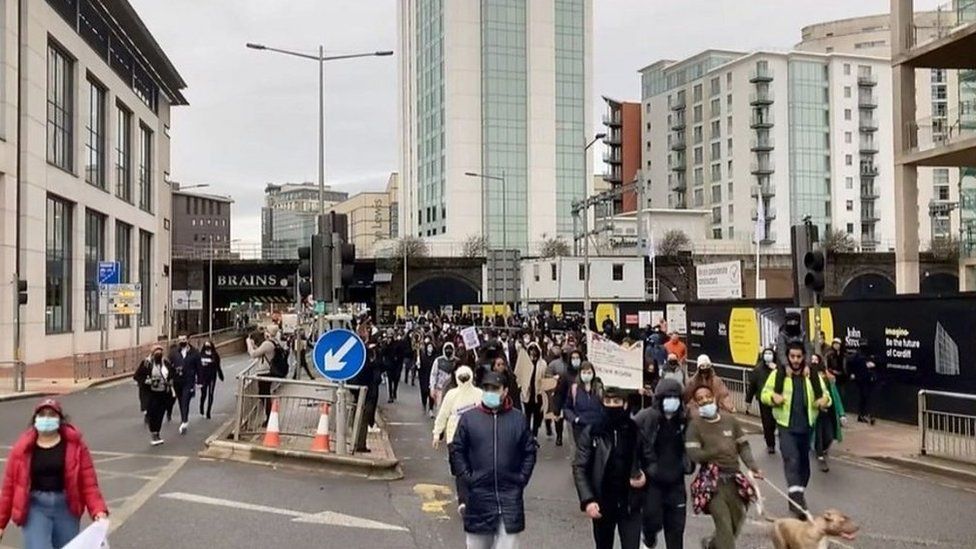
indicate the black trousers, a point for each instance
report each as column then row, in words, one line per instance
column 617, row 520
column 533, row 415
column 796, row 459
column 665, row 508
column 207, row 397
column 369, row 415
column 156, row 405
column 410, row 367
column 184, row 394
column 559, row 427
column 264, row 392
column 424, row 380
column 768, row 425
column 303, row 364
column 393, row 377
column 864, row 390
column 824, row 431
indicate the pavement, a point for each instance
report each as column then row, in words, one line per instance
column 168, row 495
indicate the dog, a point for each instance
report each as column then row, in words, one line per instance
column 789, row 533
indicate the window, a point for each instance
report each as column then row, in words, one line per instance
column 716, row 172
column 145, row 276
column 697, row 134
column 942, row 192
column 95, row 133
column 123, row 254
column 582, row 271
column 716, row 108
column 847, row 114
column 699, row 176
column 728, row 125
column 848, row 160
column 716, row 194
column 699, row 198
column 94, row 252
column 717, row 233
column 697, row 114
column 848, row 183
column 728, row 101
column 57, row 284
column 716, row 86
column 847, row 92
column 618, row 271
column 716, row 129
column 728, row 80
column 717, row 215
column 123, row 153
column 535, row 272
column 728, row 147
column 716, row 150
column 552, row 271
column 731, row 231
column 698, row 155
column 848, row 137
column 697, row 92
column 849, row 205
column 145, row 168
column 60, row 108
column 850, row 228
column 847, row 69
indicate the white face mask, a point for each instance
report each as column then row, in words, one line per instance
column 586, row 377
column 768, row 357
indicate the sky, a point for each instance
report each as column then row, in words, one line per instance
column 253, row 115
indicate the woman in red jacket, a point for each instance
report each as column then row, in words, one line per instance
column 49, row 481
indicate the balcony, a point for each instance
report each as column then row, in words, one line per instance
column 678, row 142
column 761, row 74
column 612, row 176
column 677, row 104
column 770, row 238
column 762, row 144
column 766, row 190
column 677, row 201
column 678, row 121
column 869, row 216
column 869, row 192
column 761, row 119
column 678, row 164
column 679, row 183
column 762, row 167
column 868, row 125
column 761, row 98
column 869, row 243
column 612, row 120
column 867, row 101
column 612, row 138
column 868, row 146
column 770, row 213
column 867, row 80
column 869, row 170
column 612, row 156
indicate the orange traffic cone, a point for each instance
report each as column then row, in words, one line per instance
column 321, row 441
column 272, row 437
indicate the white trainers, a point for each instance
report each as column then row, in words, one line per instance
column 155, row 440
column 183, row 428
column 374, row 429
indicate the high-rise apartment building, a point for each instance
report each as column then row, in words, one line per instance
column 289, row 217
column 499, row 88
column 807, row 134
column 622, row 155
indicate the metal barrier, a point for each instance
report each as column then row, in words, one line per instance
column 18, row 375
column 736, row 379
column 299, row 408
column 947, row 425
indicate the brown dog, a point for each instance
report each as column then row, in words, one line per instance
column 799, row 534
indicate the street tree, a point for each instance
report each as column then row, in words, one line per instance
column 945, row 248
column 554, row 246
column 837, row 241
column 673, row 242
column 410, row 246
column 475, row 245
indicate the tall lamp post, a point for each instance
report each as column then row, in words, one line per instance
column 484, row 221
column 586, row 233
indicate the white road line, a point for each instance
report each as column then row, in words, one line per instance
column 142, row 496
column 325, row 517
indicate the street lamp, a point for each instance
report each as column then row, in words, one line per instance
column 484, row 227
column 586, row 234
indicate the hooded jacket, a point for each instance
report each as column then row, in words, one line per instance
column 523, row 373
column 457, row 401
column 758, row 376
column 790, row 331
column 443, row 369
column 663, row 465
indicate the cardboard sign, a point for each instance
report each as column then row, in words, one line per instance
column 470, row 337
column 616, row 365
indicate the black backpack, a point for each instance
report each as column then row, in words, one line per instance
column 279, row 362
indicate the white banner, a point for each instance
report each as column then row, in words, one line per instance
column 470, row 337
column 615, row 365
column 677, row 319
column 720, row 280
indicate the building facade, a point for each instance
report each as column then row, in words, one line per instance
column 622, row 156
column 289, row 217
column 501, row 89
column 808, row 134
column 368, row 217
column 201, row 224
column 91, row 125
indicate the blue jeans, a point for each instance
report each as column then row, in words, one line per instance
column 50, row 525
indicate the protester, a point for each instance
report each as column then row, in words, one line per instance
column 797, row 396
column 207, row 376
column 266, row 353
column 427, row 357
column 50, row 481
column 829, row 426
column 500, row 366
column 493, row 455
column 757, row 380
column 677, row 348
column 155, row 374
column 442, row 373
column 530, row 371
column 864, row 373
column 790, row 332
column 584, row 406
column 665, row 463
column 602, row 471
column 456, row 402
column 717, row 442
column 300, row 350
column 672, row 370
column 186, row 362
column 555, row 370
column 705, row 377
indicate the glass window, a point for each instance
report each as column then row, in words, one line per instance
column 582, row 271
column 95, row 135
column 848, row 137
column 847, row 69
column 552, row 271
column 697, row 133
column 716, row 108
column 716, row 150
column 145, row 168
column 535, row 272
column 123, row 153
column 716, row 172
column 697, row 92
column 145, row 276
column 698, row 155
column 716, row 86
column 57, row 285
column 123, row 254
column 848, row 160
column 717, row 194
column 848, row 183
column 717, row 233
column 847, row 114
column 60, row 108
column 849, row 205
column 847, row 92
column 618, row 271
column 716, row 129
column 94, row 252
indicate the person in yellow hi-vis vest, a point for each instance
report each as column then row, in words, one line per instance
column 797, row 397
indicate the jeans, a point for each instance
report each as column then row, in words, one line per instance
column 499, row 540
column 796, row 459
column 184, row 394
column 50, row 525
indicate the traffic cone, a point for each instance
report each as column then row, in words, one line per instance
column 272, row 437
column 321, row 441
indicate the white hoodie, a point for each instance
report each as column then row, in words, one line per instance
column 458, row 400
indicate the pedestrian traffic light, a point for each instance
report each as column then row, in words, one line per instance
column 304, row 261
column 22, row 292
column 814, row 262
column 809, row 264
column 322, row 267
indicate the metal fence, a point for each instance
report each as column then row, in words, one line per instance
column 299, row 409
column 947, row 425
column 736, row 379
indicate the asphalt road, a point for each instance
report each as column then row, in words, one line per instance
column 166, row 496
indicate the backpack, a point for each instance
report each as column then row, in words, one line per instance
column 279, row 362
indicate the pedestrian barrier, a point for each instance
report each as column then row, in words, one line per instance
column 272, row 436
column 947, row 425
column 736, row 379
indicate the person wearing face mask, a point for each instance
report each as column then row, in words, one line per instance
column 49, row 481
column 757, row 380
column 555, row 371
column 718, row 442
column 457, row 401
column 607, row 479
column 791, row 331
column 797, row 397
column 493, row 455
column 427, row 354
column 500, row 366
column 664, row 461
column 705, row 377
column 561, row 394
column 672, row 370
column 155, row 374
column 207, row 377
column 186, row 362
column 583, row 406
column 442, row 373
column 530, row 371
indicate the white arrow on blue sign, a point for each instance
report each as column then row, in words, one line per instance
column 108, row 272
column 339, row 355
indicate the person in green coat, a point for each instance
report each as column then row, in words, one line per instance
column 830, row 423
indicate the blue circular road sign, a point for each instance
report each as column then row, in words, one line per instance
column 339, row 355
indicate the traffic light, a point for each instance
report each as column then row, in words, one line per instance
column 304, row 261
column 348, row 259
column 304, row 288
column 322, row 267
column 814, row 262
column 809, row 264
column 21, row 292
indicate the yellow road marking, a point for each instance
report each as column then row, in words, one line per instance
column 434, row 499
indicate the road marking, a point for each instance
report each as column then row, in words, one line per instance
column 432, row 502
column 142, row 496
column 407, row 423
column 325, row 517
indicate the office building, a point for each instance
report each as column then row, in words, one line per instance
column 622, row 155
column 499, row 88
column 201, row 224
column 368, row 218
column 92, row 136
column 806, row 133
column 289, row 217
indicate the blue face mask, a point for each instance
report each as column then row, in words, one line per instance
column 708, row 411
column 47, row 424
column 670, row 405
column 491, row 399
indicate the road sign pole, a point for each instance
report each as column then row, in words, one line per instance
column 342, row 393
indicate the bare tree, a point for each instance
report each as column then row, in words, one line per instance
column 475, row 245
column 554, row 247
column 945, row 248
column 673, row 242
column 411, row 246
column 837, row 241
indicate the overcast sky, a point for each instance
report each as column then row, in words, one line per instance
column 252, row 117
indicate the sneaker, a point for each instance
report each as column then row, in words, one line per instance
column 824, row 466
column 155, row 440
column 461, row 509
column 430, row 414
column 374, row 429
column 183, row 428
column 771, row 451
column 798, row 505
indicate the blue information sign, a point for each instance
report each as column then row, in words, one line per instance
column 108, row 272
column 339, row 355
